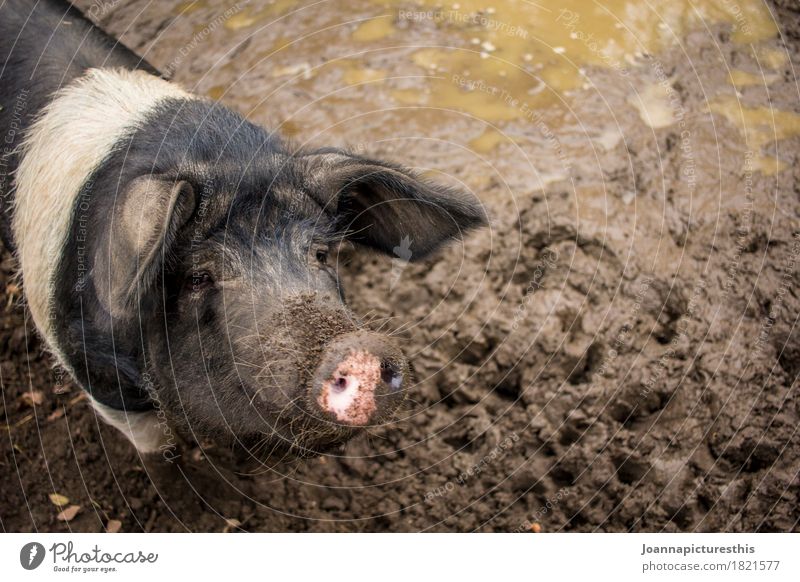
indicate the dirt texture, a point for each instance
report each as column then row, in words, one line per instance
column 618, row 352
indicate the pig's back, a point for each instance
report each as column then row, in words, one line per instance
column 44, row 46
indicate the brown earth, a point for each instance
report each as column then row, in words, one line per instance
column 619, row 351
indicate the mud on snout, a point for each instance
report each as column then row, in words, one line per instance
column 320, row 378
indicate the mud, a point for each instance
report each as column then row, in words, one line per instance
column 619, row 351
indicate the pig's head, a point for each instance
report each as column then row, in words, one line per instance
column 244, row 324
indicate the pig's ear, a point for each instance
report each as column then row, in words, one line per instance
column 387, row 207
column 144, row 224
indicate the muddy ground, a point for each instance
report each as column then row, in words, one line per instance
column 619, row 351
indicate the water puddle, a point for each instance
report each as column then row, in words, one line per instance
column 256, row 13
column 741, row 79
column 509, row 55
column 760, row 127
column 506, row 67
column 375, row 29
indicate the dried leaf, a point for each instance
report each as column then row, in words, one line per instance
column 33, row 398
column 232, row 523
column 24, row 420
column 58, row 499
column 69, row 513
column 55, row 415
column 113, row 525
column 78, row 398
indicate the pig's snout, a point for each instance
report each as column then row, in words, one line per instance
column 361, row 380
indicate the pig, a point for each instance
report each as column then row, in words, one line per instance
column 178, row 260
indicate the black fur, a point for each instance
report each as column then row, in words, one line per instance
column 253, row 209
column 231, row 164
column 44, row 45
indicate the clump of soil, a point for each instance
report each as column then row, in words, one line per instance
column 618, row 352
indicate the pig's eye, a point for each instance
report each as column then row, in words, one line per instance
column 198, row 281
column 321, row 253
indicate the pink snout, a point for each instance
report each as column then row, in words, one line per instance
column 360, row 380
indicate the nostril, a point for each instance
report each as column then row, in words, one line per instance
column 361, row 379
column 391, row 375
column 340, row 383
column 349, row 392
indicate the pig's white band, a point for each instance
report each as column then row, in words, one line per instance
column 143, row 429
column 62, row 148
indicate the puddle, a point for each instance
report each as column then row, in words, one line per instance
column 495, row 58
column 770, row 58
column 741, row 79
column 507, row 53
column 488, row 66
column 488, row 140
column 759, row 126
column 256, row 13
column 375, row 29
column 354, row 73
column 216, row 92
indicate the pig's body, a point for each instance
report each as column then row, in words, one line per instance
column 164, row 246
column 45, row 48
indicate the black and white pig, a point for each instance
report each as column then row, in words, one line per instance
column 175, row 258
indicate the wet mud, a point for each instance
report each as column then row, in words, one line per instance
column 618, row 352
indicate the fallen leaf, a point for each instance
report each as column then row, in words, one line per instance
column 113, row 525
column 69, row 513
column 33, row 398
column 24, row 420
column 55, row 415
column 78, row 398
column 58, row 499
